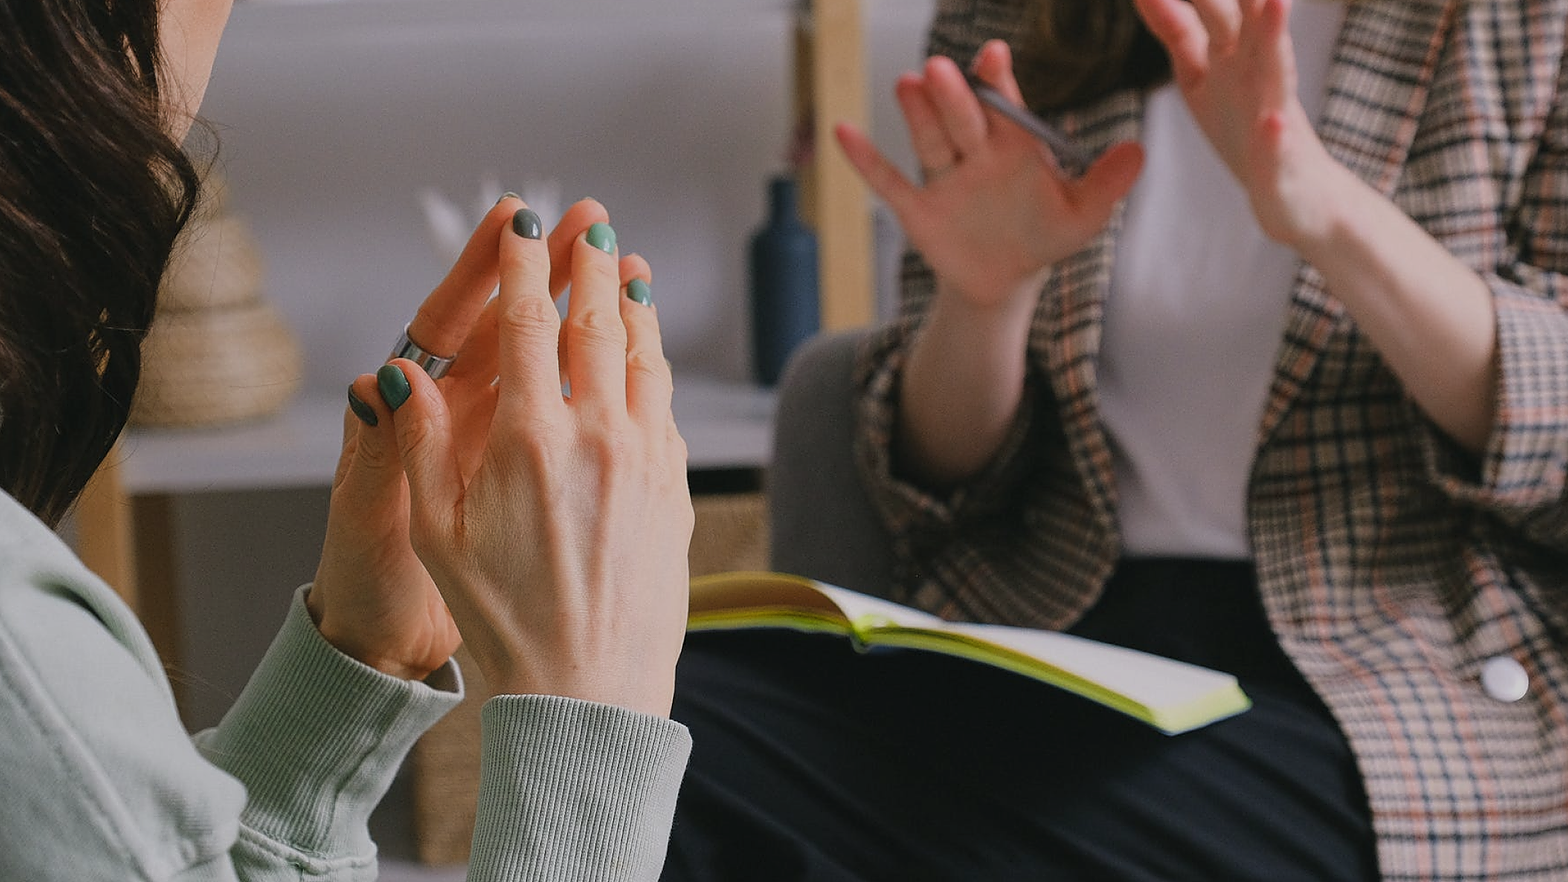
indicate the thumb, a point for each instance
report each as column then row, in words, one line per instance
column 423, row 428
column 1108, row 181
column 369, row 463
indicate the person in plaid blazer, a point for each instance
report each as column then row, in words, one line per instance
column 1405, row 509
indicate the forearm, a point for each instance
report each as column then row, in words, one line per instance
column 962, row 386
column 1428, row 315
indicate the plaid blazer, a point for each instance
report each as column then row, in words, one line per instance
column 1392, row 565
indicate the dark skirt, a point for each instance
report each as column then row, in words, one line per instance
column 814, row 762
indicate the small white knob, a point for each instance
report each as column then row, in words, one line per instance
column 1504, row 679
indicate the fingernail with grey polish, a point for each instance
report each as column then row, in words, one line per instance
column 365, row 412
column 526, row 223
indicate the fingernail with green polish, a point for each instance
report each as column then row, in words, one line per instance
column 365, row 412
column 526, row 223
column 602, row 237
column 507, row 195
column 393, row 385
column 637, row 290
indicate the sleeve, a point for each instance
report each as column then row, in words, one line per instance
column 569, row 789
column 907, row 508
column 597, row 783
column 101, row 781
column 1522, row 476
column 316, row 738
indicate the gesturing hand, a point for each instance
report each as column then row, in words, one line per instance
column 371, row 597
column 557, row 527
column 995, row 211
column 1236, row 67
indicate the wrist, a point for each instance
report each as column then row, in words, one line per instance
column 994, row 310
column 350, row 642
column 1310, row 215
column 642, row 691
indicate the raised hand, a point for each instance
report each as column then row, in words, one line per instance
column 995, row 211
column 1236, row 67
column 557, row 527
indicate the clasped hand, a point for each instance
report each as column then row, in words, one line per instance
column 549, row 532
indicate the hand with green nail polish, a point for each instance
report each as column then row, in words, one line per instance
column 562, row 553
column 372, row 597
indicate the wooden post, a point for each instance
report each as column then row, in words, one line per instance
column 129, row 542
column 831, row 77
column 105, row 529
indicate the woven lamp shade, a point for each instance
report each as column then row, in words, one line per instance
column 217, row 353
column 216, row 264
column 215, row 366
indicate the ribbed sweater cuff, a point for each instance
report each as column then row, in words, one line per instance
column 573, row 790
column 316, row 738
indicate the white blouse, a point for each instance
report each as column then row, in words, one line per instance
column 1193, row 322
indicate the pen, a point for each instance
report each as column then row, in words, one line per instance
column 1068, row 155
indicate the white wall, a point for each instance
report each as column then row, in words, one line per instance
column 334, row 113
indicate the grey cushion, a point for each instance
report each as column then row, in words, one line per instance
column 822, row 522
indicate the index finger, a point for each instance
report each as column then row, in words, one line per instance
column 1180, row 29
column 448, row 314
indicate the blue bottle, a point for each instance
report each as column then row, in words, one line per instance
column 784, row 305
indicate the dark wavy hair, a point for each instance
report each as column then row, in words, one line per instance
column 93, row 192
column 1083, row 50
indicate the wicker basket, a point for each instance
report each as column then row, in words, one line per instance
column 217, row 365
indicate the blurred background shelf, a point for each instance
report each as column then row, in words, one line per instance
column 726, row 425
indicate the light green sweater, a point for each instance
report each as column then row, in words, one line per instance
column 99, row 781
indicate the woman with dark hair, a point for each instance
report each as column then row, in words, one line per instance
column 577, row 629
column 1279, row 386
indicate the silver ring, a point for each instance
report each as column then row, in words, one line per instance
column 434, row 365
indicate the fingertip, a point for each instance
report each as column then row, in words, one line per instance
column 849, row 137
column 1276, row 16
column 393, row 384
column 941, row 63
column 600, row 235
column 994, row 66
column 638, row 291
column 591, row 205
column 526, row 224
column 635, row 266
column 994, row 54
column 583, row 213
column 361, row 393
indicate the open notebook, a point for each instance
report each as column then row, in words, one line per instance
column 1169, row 695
